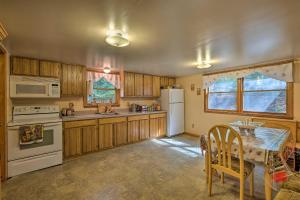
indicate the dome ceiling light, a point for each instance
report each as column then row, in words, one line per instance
column 203, row 65
column 106, row 70
column 117, row 38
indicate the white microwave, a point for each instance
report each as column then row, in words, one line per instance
column 34, row 87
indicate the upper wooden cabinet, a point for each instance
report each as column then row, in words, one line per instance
column 144, row 85
column 156, row 86
column 24, row 66
column 72, row 80
column 129, row 84
column 167, row 81
column 148, row 85
column 138, row 85
column 50, row 69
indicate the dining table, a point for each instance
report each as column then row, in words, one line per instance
column 260, row 147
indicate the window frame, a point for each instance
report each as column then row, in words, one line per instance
column 85, row 96
column 240, row 92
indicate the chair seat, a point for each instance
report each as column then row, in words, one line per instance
column 285, row 194
column 293, row 183
column 235, row 165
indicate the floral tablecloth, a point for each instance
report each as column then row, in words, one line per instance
column 257, row 148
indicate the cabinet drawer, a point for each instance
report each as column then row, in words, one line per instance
column 159, row 115
column 138, row 117
column 112, row 120
column 81, row 123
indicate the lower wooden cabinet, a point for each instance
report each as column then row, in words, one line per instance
column 92, row 135
column 133, row 131
column 144, row 129
column 158, row 125
column 106, row 136
column 120, row 133
column 72, row 142
column 90, row 139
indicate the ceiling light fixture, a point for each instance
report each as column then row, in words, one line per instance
column 106, row 70
column 203, row 65
column 117, row 38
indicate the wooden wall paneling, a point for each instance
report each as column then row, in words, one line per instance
column 24, row 66
column 105, row 136
column 120, row 133
column 148, row 85
column 156, row 86
column 89, row 139
column 128, row 84
column 133, row 131
column 138, row 84
column 50, row 69
column 72, row 142
column 144, row 129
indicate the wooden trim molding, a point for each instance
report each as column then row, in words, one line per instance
column 3, row 33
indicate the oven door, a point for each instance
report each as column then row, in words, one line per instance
column 52, row 141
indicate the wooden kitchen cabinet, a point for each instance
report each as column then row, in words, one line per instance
column 138, row 128
column 171, row 81
column 167, row 81
column 24, row 66
column 120, row 133
column 105, row 136
column 90, row 139
column 133, row 131
column 129, row 84
column 148, row 85
column 156, row 86
column 138, row 85
column 50, row 69
column 72, row 142
column 158, row 125
column 72, row 80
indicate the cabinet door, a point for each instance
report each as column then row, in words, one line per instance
column 89, row 139
column 133, row 131
column 162, row 126
column 50, row 69
column 156, row 86
column 154, row 127
column 128, row 84
column 105, row 136
column 171, row 81
column 120, row 133
column 138, row 84
column 164, row 82
column 148, row 85
column 72, row 142
column 24, row 66
column 144, row 129
column 72, row 80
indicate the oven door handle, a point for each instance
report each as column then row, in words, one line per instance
column 44, row 125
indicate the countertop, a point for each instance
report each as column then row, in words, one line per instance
column 84, row 116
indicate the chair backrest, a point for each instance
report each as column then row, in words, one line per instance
column 224, row 137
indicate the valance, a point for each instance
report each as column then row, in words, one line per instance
column 92, row 76
column 282, row 72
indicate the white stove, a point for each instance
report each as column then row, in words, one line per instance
column 30, row 157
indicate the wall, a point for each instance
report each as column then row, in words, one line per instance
column 194, row 105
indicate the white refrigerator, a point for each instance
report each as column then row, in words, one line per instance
column 172, row 101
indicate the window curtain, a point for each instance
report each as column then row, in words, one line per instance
column 114, row 79
column 283, row 72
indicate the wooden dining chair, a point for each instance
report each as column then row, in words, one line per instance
column 224, row 162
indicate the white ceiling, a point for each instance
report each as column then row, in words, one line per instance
column 167, row 36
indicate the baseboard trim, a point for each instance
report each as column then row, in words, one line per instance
column 191, row 134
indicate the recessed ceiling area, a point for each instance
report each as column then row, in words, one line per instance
column 167, row 37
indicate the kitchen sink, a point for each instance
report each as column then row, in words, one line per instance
column 107, row 113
